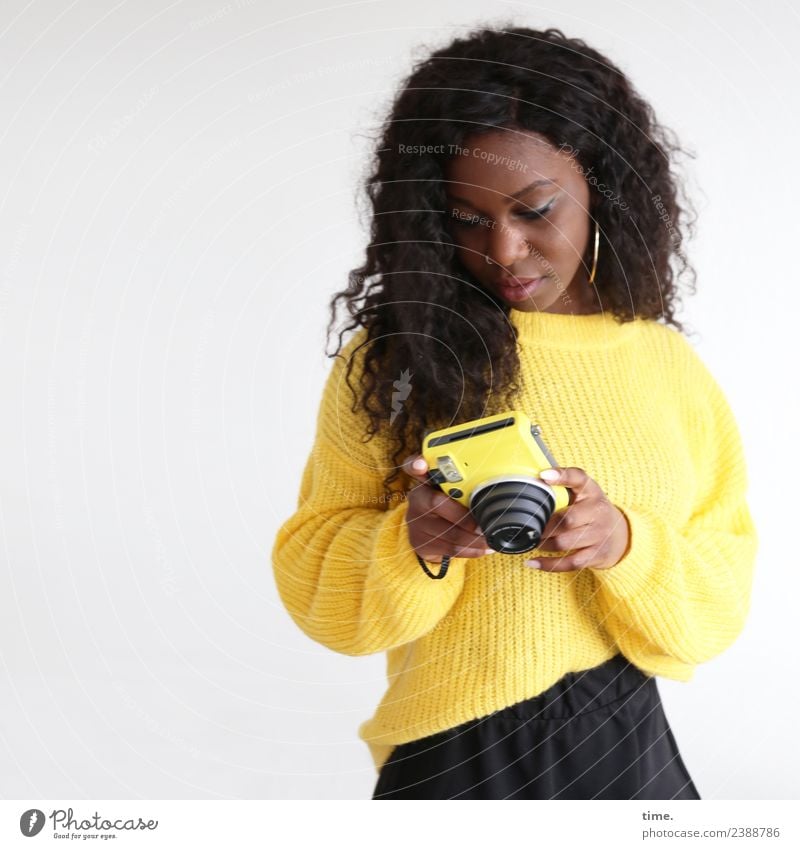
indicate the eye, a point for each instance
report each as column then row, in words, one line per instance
column 532, row 214
column 469, row 221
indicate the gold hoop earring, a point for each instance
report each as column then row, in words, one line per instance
column 596, row 248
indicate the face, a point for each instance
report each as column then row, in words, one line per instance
column 524, row 204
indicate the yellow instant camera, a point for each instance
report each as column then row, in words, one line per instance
column 491, row 466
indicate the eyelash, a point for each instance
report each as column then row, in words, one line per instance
column 532, row 215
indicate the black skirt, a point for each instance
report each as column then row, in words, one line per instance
column 596, row 734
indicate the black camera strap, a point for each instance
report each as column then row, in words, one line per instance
column 442, row 571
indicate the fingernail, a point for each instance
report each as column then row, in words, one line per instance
column 419, row 463
column 490, row 551
column 549, row 474
column 534, row 564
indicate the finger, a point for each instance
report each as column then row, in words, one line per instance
column 441, row 532
column 456, row 552
column 566, row 519
column 573, row 562
column 575, row 480
column 448, row 508
column 466, row 525
column 590, row 522
column 431, row 501
column 569, row 528
column 560, row 521
column 473, row 552
column 571, row 540
column 416, row 467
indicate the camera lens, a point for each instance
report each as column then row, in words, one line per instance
column 512, row 513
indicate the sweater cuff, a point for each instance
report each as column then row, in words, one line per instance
column 637, row 568
column 398, row 572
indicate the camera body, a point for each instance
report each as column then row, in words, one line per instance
column 491, row 466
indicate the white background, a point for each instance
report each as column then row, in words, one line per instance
column 178, row 193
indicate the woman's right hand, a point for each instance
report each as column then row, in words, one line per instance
column 437, row 524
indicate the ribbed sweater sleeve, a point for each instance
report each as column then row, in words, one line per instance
column 681, row 595
column 343, row 562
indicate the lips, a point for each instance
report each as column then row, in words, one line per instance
column 519, row 282
column 520, row 289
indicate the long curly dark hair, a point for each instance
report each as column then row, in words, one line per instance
column 411, row 293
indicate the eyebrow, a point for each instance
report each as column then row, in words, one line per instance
column 515, row 196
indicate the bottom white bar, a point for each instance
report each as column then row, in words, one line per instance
column 410, row 825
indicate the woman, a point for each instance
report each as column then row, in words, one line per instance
column 526, row 238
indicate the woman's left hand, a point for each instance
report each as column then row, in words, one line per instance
column 591, row 527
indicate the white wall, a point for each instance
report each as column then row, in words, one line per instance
column 176, row 208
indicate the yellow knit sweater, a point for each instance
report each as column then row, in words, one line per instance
column 634, row 406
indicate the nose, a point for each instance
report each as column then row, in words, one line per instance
column 507, row 246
